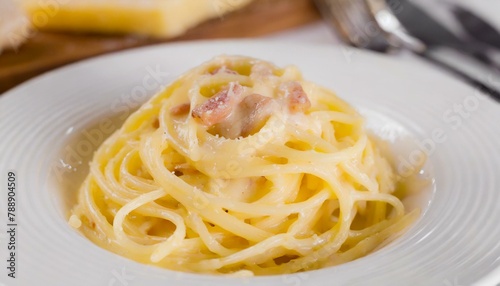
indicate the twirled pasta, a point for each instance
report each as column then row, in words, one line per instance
column 240, row 167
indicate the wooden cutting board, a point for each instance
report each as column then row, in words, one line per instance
column 46, row 51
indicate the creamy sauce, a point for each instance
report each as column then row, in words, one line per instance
column 71, row 166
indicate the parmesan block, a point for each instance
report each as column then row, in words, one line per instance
column 156, row 18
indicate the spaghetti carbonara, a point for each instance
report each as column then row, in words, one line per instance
column 242, row 168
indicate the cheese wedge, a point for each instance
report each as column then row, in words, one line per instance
column 14, row 26
column 157, row 18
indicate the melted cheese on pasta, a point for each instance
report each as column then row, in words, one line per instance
column 240, row 167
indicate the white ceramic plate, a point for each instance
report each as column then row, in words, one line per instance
column 50, row 125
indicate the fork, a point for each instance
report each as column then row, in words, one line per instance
column 350, row 19
column 476, row 27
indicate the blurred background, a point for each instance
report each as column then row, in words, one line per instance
column 460, row 36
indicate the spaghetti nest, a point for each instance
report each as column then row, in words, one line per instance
column 243, row 168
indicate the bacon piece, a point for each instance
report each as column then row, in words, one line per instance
column 219, row 106
column 156, row 123
column 184, row 169
column 248, row 116
column 180, row 109
column 223, row 69
column 295, row 95
column 256, row 109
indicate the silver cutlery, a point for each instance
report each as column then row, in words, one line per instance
column 350, row 19
column 476, row 27
column 435, row 35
